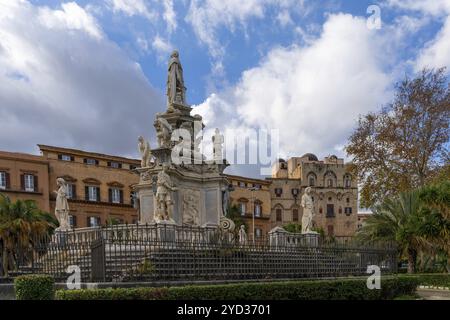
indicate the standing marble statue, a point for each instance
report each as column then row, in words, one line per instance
column 146, row 154
column 62, row 205
column 226, row 198
column 218, row 140
column 308, row 211
column 175, row 82
column 242, row 235
column 164, row 203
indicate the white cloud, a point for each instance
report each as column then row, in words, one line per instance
column 436, row 52
column 72, row 16
column 63, row 85
column 161, row 46
column 312, row 94
column 169, row 15
column 206, row 16
column 132, row 8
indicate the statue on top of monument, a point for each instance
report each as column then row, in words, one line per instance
column 175, row 83
column 146, row 154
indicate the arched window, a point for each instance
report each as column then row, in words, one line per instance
column 311, row 178
column 347, row 181
column 295, row 214
column 330, row 180
column 279, row 215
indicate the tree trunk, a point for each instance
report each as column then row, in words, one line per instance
column 412, row 257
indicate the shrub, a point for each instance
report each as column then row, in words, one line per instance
column 344, row 289
column 433, row 279
column 34, row 287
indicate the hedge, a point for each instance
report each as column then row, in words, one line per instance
column 34, row 287
column 345, row 289
column 432, row 279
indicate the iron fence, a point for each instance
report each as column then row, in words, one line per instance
column 169, row 252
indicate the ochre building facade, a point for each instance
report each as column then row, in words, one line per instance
column 101, row 189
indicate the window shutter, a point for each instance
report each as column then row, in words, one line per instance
column 121, row 196
column 98, row 194
column 36, row 184
column 110, row 195
column 86, row 193
column 74, row 219
column 22, row 182
column 109, row 163
column 84, row 160
column 74, row 191
column 8, row 181
column 96, row 162
column 88, row 221
column 59, row 156
column 72, row 158
column 120, row 166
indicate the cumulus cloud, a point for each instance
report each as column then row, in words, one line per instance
column 436, row 52
column 312, row 94
column 133, row 8
column 64, row 83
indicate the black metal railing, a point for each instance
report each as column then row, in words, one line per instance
column 169, row 252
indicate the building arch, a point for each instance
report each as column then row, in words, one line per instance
column 330, row 179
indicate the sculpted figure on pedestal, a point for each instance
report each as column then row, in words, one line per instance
column 62, row 205
column 175, row 82
column 218, row 140
column 164, row 203
column 146, row 154
column 308, row 211
column 163, row 132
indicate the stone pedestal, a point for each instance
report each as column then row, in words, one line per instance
column 165, row 231
column 60, row 238
column 310, row 239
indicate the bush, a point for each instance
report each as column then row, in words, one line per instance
column 345, row 289
column 34, row 287
column 433, row 279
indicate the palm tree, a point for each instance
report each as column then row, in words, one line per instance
column 20, row 223
column 401, row 219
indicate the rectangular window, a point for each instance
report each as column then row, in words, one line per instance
column 115, row 195
column 65, row 157
column 348, row 210
column 258, row 233
column 91, row 162
column 330, row 210
column 257, row 210
column 29, row 182
column 92, row 193
column 3, row 180
column 242, row 208
column 257, row 186
column 242, row 184
column 93, row 221
column 278, row 192
column 133, row 199
column 115, row 165
column 70, row 191
column 72, row 221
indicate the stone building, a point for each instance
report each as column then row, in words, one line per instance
column 335, row 193
column 252, row 197
column 99, row 185
column 25, row 176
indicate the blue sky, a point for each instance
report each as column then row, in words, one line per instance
column 91, row 74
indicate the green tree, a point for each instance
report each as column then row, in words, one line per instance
column 235, row 215
column 20, row 223
column 403, row 220
column 436, row 198
column 405, row 145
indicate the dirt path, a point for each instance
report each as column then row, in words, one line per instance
column 434, row 294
